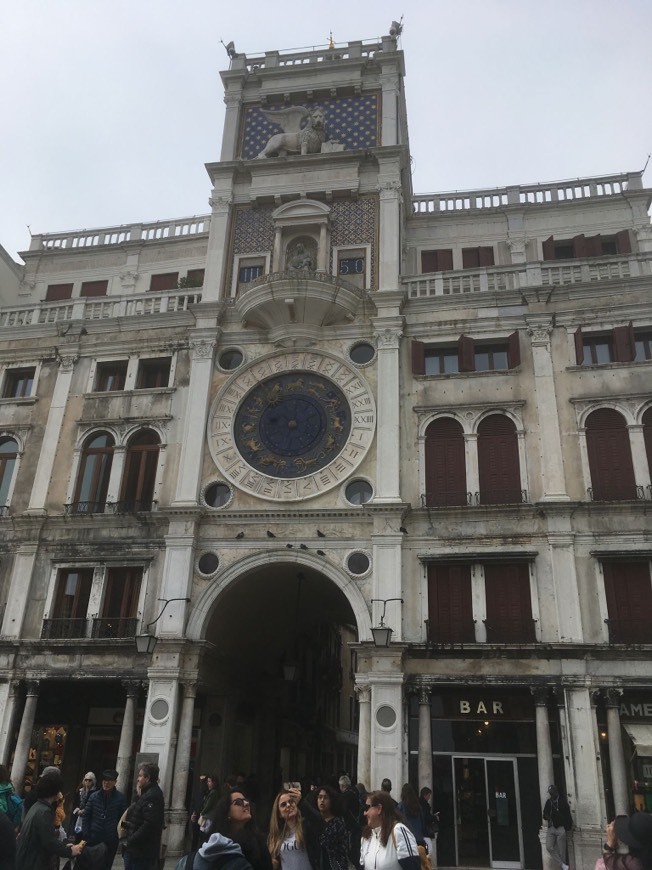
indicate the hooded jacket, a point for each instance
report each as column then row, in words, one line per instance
column 218, row 852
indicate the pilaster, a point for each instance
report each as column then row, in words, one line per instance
column 388, row 332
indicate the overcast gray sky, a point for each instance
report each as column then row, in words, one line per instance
column 112, row 107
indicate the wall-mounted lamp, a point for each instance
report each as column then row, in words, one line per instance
column 382, row 634
column 146, row 642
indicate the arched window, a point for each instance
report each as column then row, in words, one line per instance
column 647, row 437
column 445, row 463
column 610, row 456
column 8, row 456
column 94, row 473
column 139, row 477
column 498, row 464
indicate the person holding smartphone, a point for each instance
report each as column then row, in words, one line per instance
column 293, row 840
column 635, row 832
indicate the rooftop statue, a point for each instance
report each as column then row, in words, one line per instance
column 295, row 139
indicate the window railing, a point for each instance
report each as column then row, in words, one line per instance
column 83, row 508
column 509, row 633
column 462, row 633
column 131, row 506
column 624, row 493
column 449, row 498
column 114, row 627
column 63, row 629
column 629, row 630
column 508, row 495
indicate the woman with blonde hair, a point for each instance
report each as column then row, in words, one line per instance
column 387, row 842
column 293, row 840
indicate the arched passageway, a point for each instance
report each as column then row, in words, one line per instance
column 278, row 674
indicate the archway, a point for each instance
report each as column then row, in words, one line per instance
column 279, row 672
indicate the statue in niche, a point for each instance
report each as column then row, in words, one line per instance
column 301, row 257
column 295, row 139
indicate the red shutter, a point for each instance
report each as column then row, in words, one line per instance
column 418, row 357
column 500, row 478
column 445, row 463
column 610, row 456
column 94, row 288
column 629, row 601
column 466, row 353
column 548, row 247
column 445, row 260
column 57, row 292
column 470, row 258
column 450, row 606
column 429, row 262
column 509, row 607
column 579, row 346
column 486, row 256
column 624, row 344
column 514, row 350
column 624, row 242
column 592, row 246
column 579, row 247
column 167, row 281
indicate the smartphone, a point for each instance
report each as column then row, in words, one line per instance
column 288, row 785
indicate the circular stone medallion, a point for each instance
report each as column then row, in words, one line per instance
column 291, row 426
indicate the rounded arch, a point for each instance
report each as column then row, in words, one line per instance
column 610, row 456
column 143, row 436
column 505, row 413
column 498, row 460
column 428, row 421
column 608, row 406
column 201, row 612
column 85, row 437
column 7, row 435
column 445, row 463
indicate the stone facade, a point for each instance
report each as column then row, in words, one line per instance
column 442, row 425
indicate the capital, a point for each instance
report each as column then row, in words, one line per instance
column 612, row 698
column 363, row 692
column 388, row 337
column 201, row 349
column 67, row 362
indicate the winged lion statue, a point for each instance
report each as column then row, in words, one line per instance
column 295, row 138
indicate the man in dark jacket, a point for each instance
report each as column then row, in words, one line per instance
column 145, row 822
column 101, row 816
column 39, row 840
column 7, row 843
column 558, row 815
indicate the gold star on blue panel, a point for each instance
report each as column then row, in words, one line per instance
column 352, row 121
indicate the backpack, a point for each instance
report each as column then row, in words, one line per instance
column 12, row 805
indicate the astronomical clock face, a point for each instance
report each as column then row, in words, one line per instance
column 291, row 426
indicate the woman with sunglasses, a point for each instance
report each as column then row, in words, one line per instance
column 387, row 843
column 233, row 818
column 86, row 789
column 293, row 840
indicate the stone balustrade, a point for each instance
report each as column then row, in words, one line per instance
column 527, row 194
column 539, row 274
column 143, row 232
column 312, row 54
column 99, row 308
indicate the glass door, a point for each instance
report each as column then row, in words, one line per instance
column 503, row 813
column 487, row 813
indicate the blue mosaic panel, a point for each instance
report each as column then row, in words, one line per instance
column 352, row 121
column 353, row 222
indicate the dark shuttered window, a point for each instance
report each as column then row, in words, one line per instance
column 445, row 463
column 582, row 247
column 610, row 456
column 450, row 611
column 509, row 606
column 629, row 601
column 436, row 261
column 500, row 477
column 166, row 281
column 94, row 288
column 139, row 478
column 473, row 258
column 57, row 292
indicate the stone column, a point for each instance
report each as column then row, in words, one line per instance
column 215, row 271
column 123, row 763
column 617, row 764
column 388, row 332
column 49, row 448
column 390, row 234
column 178, row 816
column 552, row 464
column 639, row 458
column 544, row 761
column 565, row 593
column 472, row 465
column 386, row 681
column 19, row 590
column 363, row 691
column 9, row 693
column 232, row 98
column 24, row 735
column 202, row 345
column 425, row 740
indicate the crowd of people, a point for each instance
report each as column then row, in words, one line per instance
column 331, row 825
